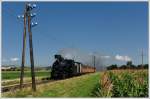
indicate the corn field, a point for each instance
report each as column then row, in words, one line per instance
column 123, row 83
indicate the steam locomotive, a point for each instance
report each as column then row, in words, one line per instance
column 65, row 68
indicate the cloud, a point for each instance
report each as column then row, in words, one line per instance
column 14, row 59
column 122, row 58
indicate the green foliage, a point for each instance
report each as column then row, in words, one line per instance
column 112, row 67
column 99, row 91
column 128, row 85
column 129, row 65
column 123, row 83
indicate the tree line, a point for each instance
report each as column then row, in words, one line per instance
column 128, row 65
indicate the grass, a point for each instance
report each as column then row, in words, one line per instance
column 81, row 86
column 123, row 83
column 9, row 75
column 17, row 81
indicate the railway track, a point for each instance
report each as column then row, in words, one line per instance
column 17, row 86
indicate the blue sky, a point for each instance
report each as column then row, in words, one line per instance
column 113, row 29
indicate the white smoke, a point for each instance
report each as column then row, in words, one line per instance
column 83, row 57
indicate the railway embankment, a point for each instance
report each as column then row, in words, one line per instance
column 80, row 86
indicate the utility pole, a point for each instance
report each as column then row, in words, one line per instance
column 142, row 57
column 94, row 57
column 31, row 52
column 23, row 52
column 27, row 19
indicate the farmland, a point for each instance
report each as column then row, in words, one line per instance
column 13, row 77
column 8, row 75
column 123, row 83
column 113, row 83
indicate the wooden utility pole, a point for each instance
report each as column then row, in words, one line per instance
column 142, row 58
column 23, row 52
column 94, row 62
column 31, row 52
column 27, row 19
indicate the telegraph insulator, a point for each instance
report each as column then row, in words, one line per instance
column 34, row 24
column 18, row 16
column 29, row 4
column 33, row 14
column 22, row 16
column 34, row 5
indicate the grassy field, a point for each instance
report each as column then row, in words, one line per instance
column 8, row 75
column 17, row 81
column 81, row 86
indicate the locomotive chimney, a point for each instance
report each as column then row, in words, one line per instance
column 58, row 57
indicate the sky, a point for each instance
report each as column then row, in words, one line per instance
column 115, row 30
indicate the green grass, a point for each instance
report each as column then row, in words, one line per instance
column 81, row 86
column 17, row 81
column 7, row 75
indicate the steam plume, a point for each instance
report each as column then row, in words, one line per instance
column 83, row 57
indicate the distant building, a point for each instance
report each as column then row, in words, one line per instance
column 5, row 68
column 8, row 68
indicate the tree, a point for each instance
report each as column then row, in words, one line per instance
column 146, row 66
column 123, row 67
column 129, row 63
column 112, row 67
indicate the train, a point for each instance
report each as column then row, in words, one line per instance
column 66, row 68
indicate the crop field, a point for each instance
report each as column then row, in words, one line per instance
column 9, row 75
column 123, row 83
column 113, row 83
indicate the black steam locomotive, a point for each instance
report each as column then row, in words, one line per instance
column 65, row 68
